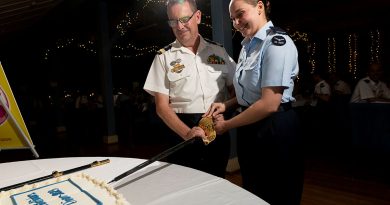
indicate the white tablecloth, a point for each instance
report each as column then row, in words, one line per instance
column 158, row 183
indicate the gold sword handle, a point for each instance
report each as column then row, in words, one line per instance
column 99, row 163
column 56, row 174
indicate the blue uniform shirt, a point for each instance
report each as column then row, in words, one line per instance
column 268, row 59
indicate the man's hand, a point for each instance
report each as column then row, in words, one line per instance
column 215, row 109
column 196, row 132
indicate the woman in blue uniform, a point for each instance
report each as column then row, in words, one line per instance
column 268, row 139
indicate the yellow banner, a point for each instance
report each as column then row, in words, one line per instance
column 13, row 130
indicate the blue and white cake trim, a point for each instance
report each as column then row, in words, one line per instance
column 73, row 189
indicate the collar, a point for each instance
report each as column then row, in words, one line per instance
column 321, row 82
column 177, row 46
column 260, row 34
column 372, row 81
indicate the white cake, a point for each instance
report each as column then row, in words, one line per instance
column 65, row 190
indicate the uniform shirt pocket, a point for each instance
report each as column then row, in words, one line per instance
column 250, row 76
column 217, row 69
column 177, row 77
column 178, row 82
column 217, row 77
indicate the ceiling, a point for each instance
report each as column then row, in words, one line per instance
column 332, row 15
column 16, row 16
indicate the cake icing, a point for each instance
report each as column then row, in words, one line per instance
column 73, row 189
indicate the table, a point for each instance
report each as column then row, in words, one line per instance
column 370, row 123
column 158, row 183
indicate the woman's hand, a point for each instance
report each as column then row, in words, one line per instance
column 219, row 124
column 215, row 109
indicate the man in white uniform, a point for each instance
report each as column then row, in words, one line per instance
column 371, row 88
column 185, row 78
column 322, row 91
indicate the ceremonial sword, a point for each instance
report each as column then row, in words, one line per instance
column 155, row 158
column 56, row 174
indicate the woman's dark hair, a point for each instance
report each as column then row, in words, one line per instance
column 267, row 6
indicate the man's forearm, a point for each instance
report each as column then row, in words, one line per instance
column 173, row 122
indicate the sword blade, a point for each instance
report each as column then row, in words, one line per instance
column 155, row 158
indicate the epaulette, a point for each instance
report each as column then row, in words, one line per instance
column 367, row 81
column 213, row 42
column 278, row 30
column 166, row 48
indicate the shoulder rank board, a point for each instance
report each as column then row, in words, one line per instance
column 213, row 42
column 278, row 30
column 166, row 48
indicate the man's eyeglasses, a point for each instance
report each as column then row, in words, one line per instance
column 183, row 20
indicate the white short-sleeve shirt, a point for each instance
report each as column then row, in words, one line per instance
column 342, row 87
column 366, row 88
column 321, row 88
column 192, row 81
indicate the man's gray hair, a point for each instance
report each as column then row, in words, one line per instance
column 191, row 2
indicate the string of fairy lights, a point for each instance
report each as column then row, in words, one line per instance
column 376, row 44
column 87, row 46
column 312, row 51
column 127, row 22
column 130, row 50
column 139, row 51
column 353, row 54
column 129, row 19
column 331, row 54
column 204, row 23
column 310, row 47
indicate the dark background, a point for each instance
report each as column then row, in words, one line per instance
column 56, row 40
column 49, row 48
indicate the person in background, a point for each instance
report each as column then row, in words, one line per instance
column 185, row 78
column 321, row 111
column 341, row 90
column 339, row 113
column 268, row 129
column 371, row 88
column 322, row 91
